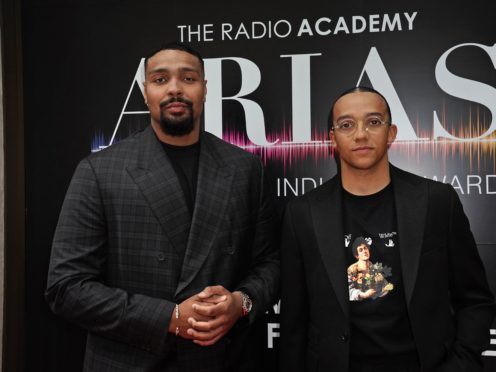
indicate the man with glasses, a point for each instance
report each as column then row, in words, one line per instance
column 437, row 310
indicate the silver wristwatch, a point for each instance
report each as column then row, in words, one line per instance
column 246, row 303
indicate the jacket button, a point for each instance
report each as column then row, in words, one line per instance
column 160, row 256
column 344, row 337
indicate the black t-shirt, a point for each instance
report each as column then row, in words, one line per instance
column 185, row 160
column 379, row 319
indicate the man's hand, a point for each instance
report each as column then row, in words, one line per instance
column 215, row 314
column 186, row 312
column 369, row 293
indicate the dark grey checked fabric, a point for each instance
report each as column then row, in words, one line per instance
column 115, row 267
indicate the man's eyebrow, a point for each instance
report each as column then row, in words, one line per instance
column 189, row 69
column 158, row 70
column 349, row 116
column 376, row 114
column 344, row 117
column 165, row 69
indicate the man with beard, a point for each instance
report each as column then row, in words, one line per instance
column 164, row 249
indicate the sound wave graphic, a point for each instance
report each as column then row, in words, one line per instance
column 284, row 150
column 477, row 155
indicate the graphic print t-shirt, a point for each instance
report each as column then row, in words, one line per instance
column 379, row 318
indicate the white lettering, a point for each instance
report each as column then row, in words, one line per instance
column 226, row 31
column 319, row 30
column 207, row 30
column 455, row 182
column 379, row 78
column 374, row 23
column 288, row 184
column 283, row 22
column 355, row 27
column 260, row 25
column 303, row 180
column 490, row 177
column 465, row 89
column 285, row 187
column 477, row 184
column 301, row 96
column 139, row 78
column 196, row 33
column 471, row 181
column 391, row 24
column 272, row 333
column 181, row 31
column 410, row 18
column 242, row 31
column 250, row 80
column 341, row 26
column 305, row 28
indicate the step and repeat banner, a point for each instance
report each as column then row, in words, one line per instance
column 273, row 72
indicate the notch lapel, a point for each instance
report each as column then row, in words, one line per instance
column 411, row 210
column 210, row 211
column 160, row 186
column 327, row 221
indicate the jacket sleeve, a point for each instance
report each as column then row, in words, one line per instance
column 76, row 287
column 262, row 281
column 471, row 298
column 294, row 300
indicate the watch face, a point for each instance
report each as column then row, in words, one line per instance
column 247, row 304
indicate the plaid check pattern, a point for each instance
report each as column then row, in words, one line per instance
column 116, row 269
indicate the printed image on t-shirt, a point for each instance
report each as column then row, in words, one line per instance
column 367, row 279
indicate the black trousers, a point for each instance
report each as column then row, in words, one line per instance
column 397, row 363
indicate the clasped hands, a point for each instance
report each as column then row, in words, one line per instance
column 207, row 316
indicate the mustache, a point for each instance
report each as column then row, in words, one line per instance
column 176, row 99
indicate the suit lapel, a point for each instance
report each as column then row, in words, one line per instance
column 210, row 212
column 411, row 209
column 327, row 221
column 160, row 186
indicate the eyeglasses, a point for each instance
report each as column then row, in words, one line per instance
column 349, row 126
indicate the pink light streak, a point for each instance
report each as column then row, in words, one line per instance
column 284, row 150
column 478, row 155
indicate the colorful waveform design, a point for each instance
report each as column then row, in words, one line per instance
column 284, row 150
column 476, row 155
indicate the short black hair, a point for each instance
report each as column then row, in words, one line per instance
column 358, row 242
column 176, row 45
column 357, row 89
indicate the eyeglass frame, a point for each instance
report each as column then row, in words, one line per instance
column 337, row 128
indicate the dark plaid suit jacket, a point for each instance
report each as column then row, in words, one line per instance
column 115, row 267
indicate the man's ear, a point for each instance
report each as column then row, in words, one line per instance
column 144, row 93
column 332, row 138
column 392, row 131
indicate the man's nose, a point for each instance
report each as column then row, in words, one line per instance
column 174, row 87
column 361, row 131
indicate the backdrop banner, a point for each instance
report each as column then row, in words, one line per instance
column 273, row 72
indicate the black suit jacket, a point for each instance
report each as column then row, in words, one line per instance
column 115, row 267
column 450, row 306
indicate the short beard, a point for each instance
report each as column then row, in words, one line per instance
column 177, row 127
